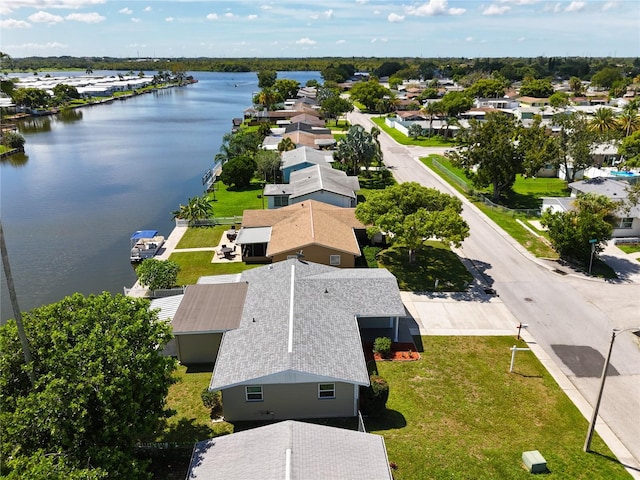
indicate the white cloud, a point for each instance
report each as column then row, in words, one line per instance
column 126, row 11
column 609, row 5
column 37, row 46
column 433, row 8
column 147, row 9
column 329, row 14
column 519, row 2
column 575, row 7
column 468, row 39
column 13, row 23
column 521, row 39
column 306, row 41
column 252, row 17
column 341, row 42
column 395, row 18
column 212, row 16
column 229, row 15
column 362, row 2
column 92, row 17
column 9, row 6
column 314, row 16
column 494, row 9
column 266, row 7
column 377, row 12
column 135, row 20
column 44, row 17
column 169, row 19
column 556, row 8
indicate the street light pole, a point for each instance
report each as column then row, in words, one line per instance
column 603, row 377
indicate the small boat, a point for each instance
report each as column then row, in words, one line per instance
column 145, row 244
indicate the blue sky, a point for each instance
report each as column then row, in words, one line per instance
column 311, row 28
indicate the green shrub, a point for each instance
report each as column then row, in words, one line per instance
column 382, row 345
column 13, row 140
column 374, row 397
column 212, row 400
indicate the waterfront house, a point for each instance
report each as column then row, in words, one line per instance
column 301, row 158
column 297, row 352
column 323, row 233
column 291, row 450
column 316, row 182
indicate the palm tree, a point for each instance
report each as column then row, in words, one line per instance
column 603, row 121
column 286, row 144
column 431, row 109
column 629, row 121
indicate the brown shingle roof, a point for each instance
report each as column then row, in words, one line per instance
column 210, row 308
column 307, row 223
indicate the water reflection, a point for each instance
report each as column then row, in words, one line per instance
column 15, row 160
column 35, row 125
column 69, row 115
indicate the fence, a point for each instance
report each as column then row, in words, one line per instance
column 530, row 212
column 361, row 427
column 209, row 222
column 160, row 293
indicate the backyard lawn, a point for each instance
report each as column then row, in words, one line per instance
column 194, row 265
column 196, row 237
column 232, row 203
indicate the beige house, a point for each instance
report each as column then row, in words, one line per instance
column 315, row 231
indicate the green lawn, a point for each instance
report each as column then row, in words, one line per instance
column 232, row 203
column 196, row 237
column 404, row 140
column 191, row 421
column 629, row 248
column 194, row 265
column 457, row 413
column 434, row 262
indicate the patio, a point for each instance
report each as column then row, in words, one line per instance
column 227, row 250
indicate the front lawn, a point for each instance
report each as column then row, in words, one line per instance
column 402, row 139
column 630, row 249
column 434, row 262
column 458, row 413
column 194, row 265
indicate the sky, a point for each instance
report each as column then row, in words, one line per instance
column 313, row 28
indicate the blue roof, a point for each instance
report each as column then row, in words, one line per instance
column 144, row 234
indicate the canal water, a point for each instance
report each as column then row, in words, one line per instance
column 92, row 176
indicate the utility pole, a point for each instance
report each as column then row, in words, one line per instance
column 16, row 309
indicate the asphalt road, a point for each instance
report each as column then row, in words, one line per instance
column 570, row 317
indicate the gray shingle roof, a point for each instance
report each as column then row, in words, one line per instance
column 316, row 179
column 306, row 154
column 325, row 340
column 316, row 451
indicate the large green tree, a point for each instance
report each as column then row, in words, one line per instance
column 629, row 150
column 267, row 78
column 100, row 386
column 336, row 106
column 606, row 77
column 31, row 97
column 64, row 93
column 268, row 164
column 410, row 214
column 487, row 88
column 489, row 154
column 574, row 233
column 537, row 88
column 369, row 93
column 238, row 172
column 576, row 143
column 539, row 148
column 286, row 88
column 156, row 274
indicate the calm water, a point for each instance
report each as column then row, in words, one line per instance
column 93, row 176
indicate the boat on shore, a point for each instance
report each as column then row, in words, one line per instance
column 145, row 244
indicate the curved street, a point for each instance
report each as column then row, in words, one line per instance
column 569, row 316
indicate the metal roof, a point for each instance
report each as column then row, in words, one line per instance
column 247, row 235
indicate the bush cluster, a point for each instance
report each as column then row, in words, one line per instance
column 382, row 345
column 374, row 397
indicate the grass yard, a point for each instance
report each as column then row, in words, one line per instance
column 404, row 140
column 457, row 413
column 630, row 249
column 434, row 262
column 232, row 203
column 191, row 421
column 196, row 237
column 194, row 265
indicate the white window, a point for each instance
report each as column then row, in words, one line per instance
column 326, row 390
column 334, row 259
column 626, row 223
column 254, row 394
